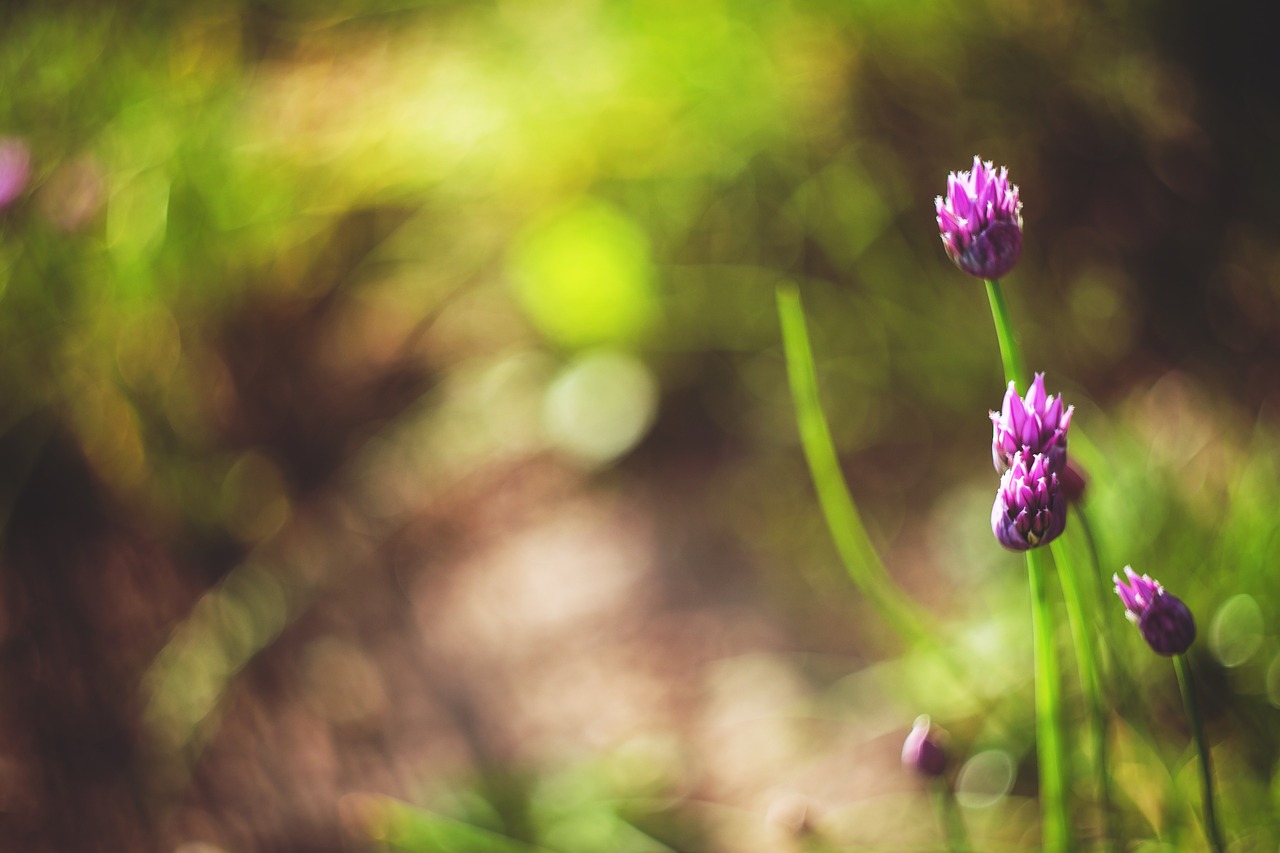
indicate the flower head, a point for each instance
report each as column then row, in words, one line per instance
column 1035, row 425
column 1165, row 622
column 981, row 220
column 1030, row 507
column 922, row 751
column 15, row 169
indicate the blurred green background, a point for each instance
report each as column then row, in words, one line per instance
column 395, row 446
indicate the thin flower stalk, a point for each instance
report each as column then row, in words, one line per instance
column 1049, row 734
column 1056, row 820
column 1048, row 705
column 1187, row 686
column 980, row 221
column 1169, row 628
column 1010, row 351
column 944, row 796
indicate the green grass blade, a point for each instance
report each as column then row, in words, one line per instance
column 1083, row 633
column 856, row 551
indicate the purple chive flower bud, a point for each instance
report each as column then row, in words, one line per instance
column 1165, row 622
column 1035, row 425
column 922, row 751
column 981, row 220
column 1030, row 507
column 15, row 169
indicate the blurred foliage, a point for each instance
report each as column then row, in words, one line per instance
column 267, row 258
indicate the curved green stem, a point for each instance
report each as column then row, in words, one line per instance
column 1049, row 746
column 950, row 818
column 1010, row 353
column 838, row 508
column 1197, row 732
column 1100, row 584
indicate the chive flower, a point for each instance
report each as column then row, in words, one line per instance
column 1030, row 507
column 1164, row 621
column 981, row 220
column 922, row 752
column 1035, row 425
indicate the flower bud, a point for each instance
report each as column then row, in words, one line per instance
column 1164, row 621
column 1030, row 508
column 981, row 220
column 922, row 751
column 1035, row 425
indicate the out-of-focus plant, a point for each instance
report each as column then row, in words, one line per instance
column 1169, row 628
column 981, row 225
column 569, row 221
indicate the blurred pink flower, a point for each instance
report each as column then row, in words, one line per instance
column 15, row 169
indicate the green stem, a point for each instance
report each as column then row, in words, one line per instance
column 949, row 815
column 1197, row 731
column 1010, row 354
column 1100, row 584
column 1082, row 632
column 1049, row 745
column 1049, row 727
column 843, row 521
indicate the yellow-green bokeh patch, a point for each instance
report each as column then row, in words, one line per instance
column 584, row 275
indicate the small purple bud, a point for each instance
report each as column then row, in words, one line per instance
column 922, row 751
column 1034, row 425
column 1030, row 508
column 15, row 169
column 1164, row 621
column 981, row 220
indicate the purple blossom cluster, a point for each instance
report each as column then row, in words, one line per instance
column 981, row 220
column 1036, row 425
column 1030, row 508
column 1029, row 445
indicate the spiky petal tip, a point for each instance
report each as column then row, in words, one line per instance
column 1163, row 620
column 980, row 220
column 1030, row 509
column 1036, row 424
